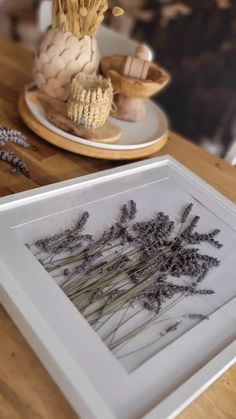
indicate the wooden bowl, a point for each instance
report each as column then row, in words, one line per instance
column 157, row 78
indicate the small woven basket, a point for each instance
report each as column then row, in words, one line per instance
column 90, row 100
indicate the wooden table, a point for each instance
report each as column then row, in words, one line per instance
column 26, row 390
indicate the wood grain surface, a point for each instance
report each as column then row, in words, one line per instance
column 26, row 390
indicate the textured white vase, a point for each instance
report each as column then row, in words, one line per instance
column 60, row 57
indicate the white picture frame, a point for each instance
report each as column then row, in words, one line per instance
column 93, row 381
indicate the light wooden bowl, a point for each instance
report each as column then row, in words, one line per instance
column 131, row 92
column 157, row 78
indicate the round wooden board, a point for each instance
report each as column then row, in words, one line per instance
column 82, row 149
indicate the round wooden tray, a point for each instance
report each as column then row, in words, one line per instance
column 82, row 149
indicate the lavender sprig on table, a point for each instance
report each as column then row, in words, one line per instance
column 11, row 135
column 133, row 266
column 8, row 135
column 19, row 166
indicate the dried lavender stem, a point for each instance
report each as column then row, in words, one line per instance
column 149, row 323
column 146, row 264
column 118, row 325
column 153, row 342
column 145, row 283
column 141, row 348
column 132, row 334
column 80, row 255
column 103, row 284
column 92, row 288
column 159, row 315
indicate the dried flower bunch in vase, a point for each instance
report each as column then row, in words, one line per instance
column 127, row 280
column 66, row 49
column 70, row 47
column 82, row 18
column 67, row 59
column 69, row 53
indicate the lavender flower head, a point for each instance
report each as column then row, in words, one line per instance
column 10, row 135
column 19, row 166
column 16, row 137
column 186, row 213
column 171, row 328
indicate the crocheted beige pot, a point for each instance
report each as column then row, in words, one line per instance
column 60, row 57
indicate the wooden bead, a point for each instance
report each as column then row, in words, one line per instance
column 136, row 68
column 143, row 52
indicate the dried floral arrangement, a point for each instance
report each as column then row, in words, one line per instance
column 8, row 135
column 70, row 47
column 81, row 17
column 133, row 267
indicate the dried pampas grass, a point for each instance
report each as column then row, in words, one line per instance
column 81, row 17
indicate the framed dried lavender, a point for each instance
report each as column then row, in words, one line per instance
column 124, row 285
